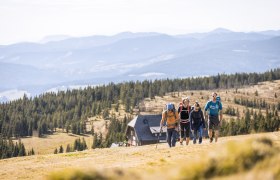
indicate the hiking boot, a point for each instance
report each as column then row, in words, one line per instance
column 211, row 139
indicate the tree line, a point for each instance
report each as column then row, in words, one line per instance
column 261, row 103
column 78, row 145
column 116, row 133
column 252, row 122
column 70, row 109
column 9, row 149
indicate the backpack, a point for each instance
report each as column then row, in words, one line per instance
column 171, row 107
column 218, row 98
column 181, row 107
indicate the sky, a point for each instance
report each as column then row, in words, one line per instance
column 31, row 20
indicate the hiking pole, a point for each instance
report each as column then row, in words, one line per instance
column 160, row 131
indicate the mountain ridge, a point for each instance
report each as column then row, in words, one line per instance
column 137, row 56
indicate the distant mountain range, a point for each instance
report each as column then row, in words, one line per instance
column 65, row 61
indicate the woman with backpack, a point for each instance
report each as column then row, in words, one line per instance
column 197, row 122
column 170, row 117
column 184, row 112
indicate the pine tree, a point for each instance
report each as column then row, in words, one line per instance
column 55, row 151
column 256, row 93
column 95, row 141
column 84, row 144
column 32, row 152
column 61, row 149
column 92, row 130
column 22, row 151
column 16, row 150
column 68, row 148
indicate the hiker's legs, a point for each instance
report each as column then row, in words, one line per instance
column 173, row 138
column 200, row 134
column 169, row 134
column 188, row 129
column 194, row 135
column 216, row 135
column 217, row 129
column 213, row 125
column 210, row 131
column 182, row 133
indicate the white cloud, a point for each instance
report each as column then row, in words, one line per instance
column 165, row 57
column 152, row 74
column 13, row 94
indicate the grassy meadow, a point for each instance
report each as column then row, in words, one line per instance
column 252, row 156
column 248, row 156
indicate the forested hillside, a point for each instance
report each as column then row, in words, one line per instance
column 70, row 110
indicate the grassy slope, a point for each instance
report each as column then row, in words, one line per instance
column 265, row 90
column 48, row 144
column 137, row 159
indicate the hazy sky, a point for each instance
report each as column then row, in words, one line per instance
column 31, row 20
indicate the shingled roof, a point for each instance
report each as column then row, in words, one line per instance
column 146, row 126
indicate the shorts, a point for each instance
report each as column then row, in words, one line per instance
column 185, row 129
column 214, row 123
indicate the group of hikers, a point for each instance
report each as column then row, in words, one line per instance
column 191, row 119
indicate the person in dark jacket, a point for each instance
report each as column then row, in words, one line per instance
column 197, row 122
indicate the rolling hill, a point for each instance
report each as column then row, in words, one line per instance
column 36, row 67
column 125, row 162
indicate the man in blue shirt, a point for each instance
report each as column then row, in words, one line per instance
column 213, row 109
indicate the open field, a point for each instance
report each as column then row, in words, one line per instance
column 146, row 159
column 47, row 144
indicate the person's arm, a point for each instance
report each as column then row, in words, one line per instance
column 203, row 120
column 176, row 121
column 205, row 111
column 162, row 119
column 177, row 117
column 221, row 116
column 221, row 112
column 191, row 121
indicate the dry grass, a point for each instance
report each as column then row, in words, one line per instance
column 47, row 144
column 256, row 158
column 266, row 91
column 155, row 163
